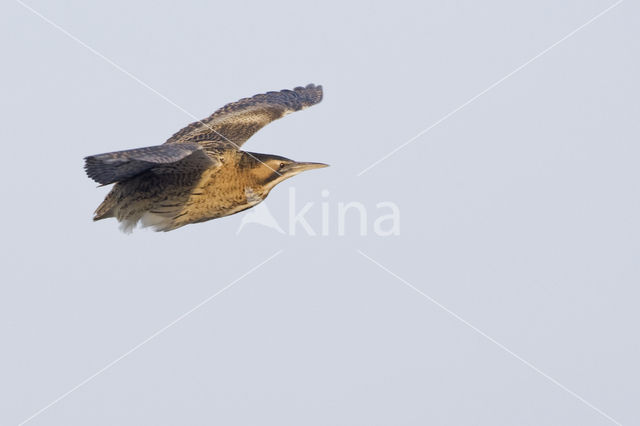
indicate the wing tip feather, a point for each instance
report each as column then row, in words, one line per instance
column 311, row 94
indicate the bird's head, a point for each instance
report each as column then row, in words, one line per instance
column 269, row 170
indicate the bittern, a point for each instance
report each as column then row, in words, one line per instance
column 200, row 173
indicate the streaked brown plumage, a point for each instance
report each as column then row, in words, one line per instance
column 200, row 173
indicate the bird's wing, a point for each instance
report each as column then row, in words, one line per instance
column 121, row 165
column 238, row 121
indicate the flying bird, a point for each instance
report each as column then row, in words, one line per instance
column 200, row 173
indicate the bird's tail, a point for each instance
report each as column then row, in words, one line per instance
column 106, row 208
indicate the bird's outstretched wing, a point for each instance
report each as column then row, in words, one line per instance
column 238, row 121
column 121, row 165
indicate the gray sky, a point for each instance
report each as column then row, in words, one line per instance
column 519, row 213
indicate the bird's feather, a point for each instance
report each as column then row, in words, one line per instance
column 122, row 165
column 238, row 121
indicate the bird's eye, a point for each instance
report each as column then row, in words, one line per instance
column 281, row 165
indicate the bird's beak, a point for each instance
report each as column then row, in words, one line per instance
column 295, row 168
